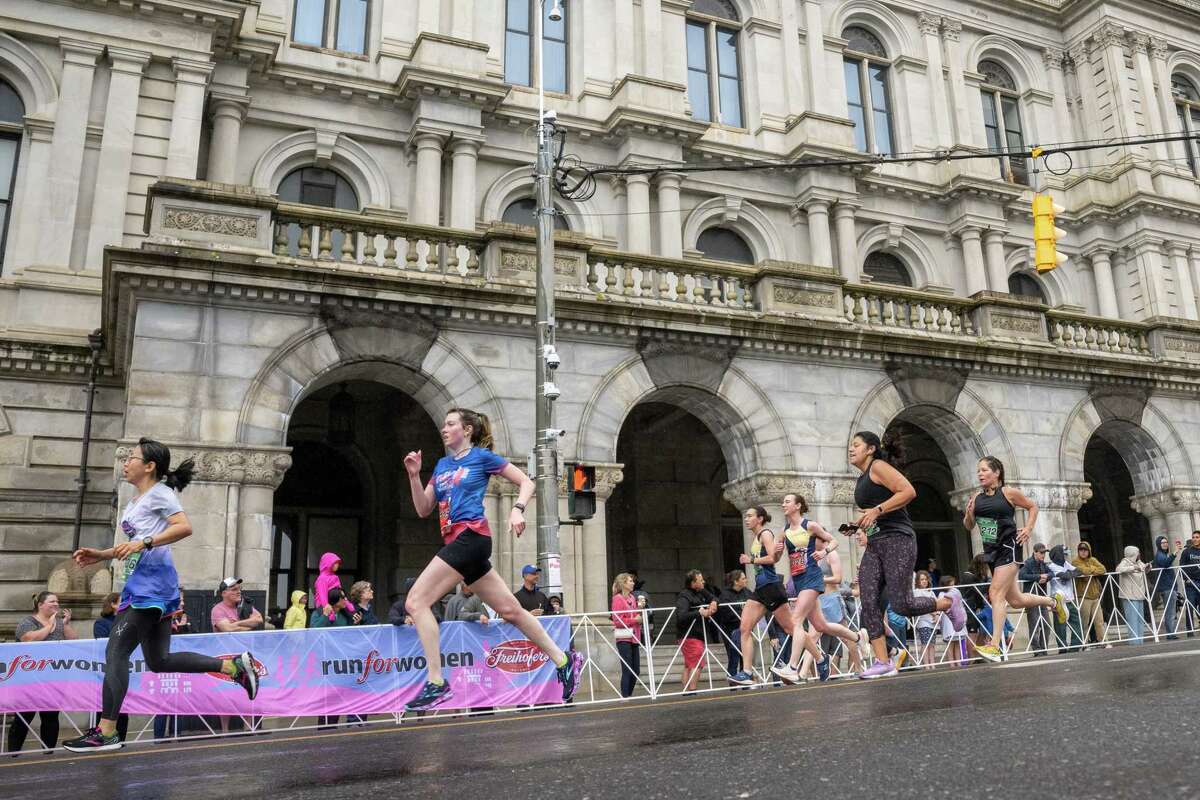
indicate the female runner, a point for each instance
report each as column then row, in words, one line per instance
column 886, row 533
column 994, row 508
column 150, row 598
column 456, row 491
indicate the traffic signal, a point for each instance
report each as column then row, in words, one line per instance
column 581, row 491
column 1045, row 235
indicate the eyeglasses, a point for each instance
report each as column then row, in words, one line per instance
column 134, row 458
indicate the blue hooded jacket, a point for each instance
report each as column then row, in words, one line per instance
column 1164, row 576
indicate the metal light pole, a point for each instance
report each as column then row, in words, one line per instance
column 96, row 343
column 545, row 451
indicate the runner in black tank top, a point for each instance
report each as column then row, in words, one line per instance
column 886, row 533
column 994, row 510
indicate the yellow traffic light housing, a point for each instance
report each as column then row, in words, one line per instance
column 1045, row 234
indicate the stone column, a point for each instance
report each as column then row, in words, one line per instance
column 1184, row 290
column 1166, row 104
column 637, row 221
column 1052, row 60
column 1081, row 54
column 1106, row 293
column 61, row 192
column 847, row 240
column 670, row 221
column 931, row 35
column 1194, row 257
column 228, row 112
column 820, row 247
column 1151, row 111
column 24, row 239
column 116, row 154
column 973, row 260
column 652, row 51
column 790, row 29
column 464, row 154
column 1058, row 510
column 1149, row 255
column 427, row 197
column 187, row 117
column 963, row 131
column 1111, row 40
column 997, row 270
column 814, row 49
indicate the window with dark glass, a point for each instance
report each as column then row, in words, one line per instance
column 520, row 212
column 1027, row 286
column 1187, row 107
column 886, row 268
column 314, row 186
column 520, row 68
column 722, row 244
column 868, row 97
column 713, row 69
column 334, row 24
column 1002, row 119
column 12, row 123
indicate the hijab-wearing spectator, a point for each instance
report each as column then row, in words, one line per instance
column 1087, row 588
column 297, row 613
column 1164, row 581
column 1069, row 634
column 1132, row 589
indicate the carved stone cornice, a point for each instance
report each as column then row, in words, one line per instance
column 1111, row 35
column 930, row 24
column 1176, row 499
column 1158, row 48
column 767, row 487
column 951, row 29
column 1052, row 58
column 1056, row 495
column 1139, row 42
column 248, row 466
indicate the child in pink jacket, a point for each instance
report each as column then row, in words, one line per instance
column 326, row 580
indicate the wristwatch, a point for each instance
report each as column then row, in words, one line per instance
column 147, row 542
column 519, row 507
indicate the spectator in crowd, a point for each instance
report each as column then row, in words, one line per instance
column 100, row 630
column 643, row 597
column 1164, row 582
column 935, row 574
column 339, row 604
column 47, row 623
column 694, row 607
column 233, row 614
column 466, row 606
column 297, row 613
column 169, row 725
column 1035, row 575
column 529, row 596
column 1088, row 587
column 729, row 609
column 556, row 604
column 955, row 639
column 1132, row 589
column 926, row 623
column 327, row 579
column 1189, row 573
column 362, row 600
column 976, row 584
column 627, row 630
column 1068, row 635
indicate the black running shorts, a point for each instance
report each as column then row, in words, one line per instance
column 469, row 555
column 771, row 595
column 1004, row 552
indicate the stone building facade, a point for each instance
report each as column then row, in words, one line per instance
column 302, row 229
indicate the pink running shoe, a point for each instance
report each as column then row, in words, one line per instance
column 880, row 669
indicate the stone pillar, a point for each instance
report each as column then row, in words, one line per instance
column 931, row 35
column 24, row 239
column 1106, row 293
column 814, row 49
column 1151, row 111
column 1172, row 512
column 963, row 132
column 1194, row 257
column 1166, row 104
column 463, row 154
column 61, row 192
column 1052, row 60
column 670, row 221
column 592, row 553
column 427, row 199
column 652, row 51
column 1184, row 290
column 1111, row 41
column 1058, row 510
column 116, row 154
column 187, row 117
column 790, row 29
column 1149, row 255
column 228, row 112
column 997, row 270
column 637, row 221
column 973, row 260
column 1081, row 55
column 847, row 240
column 820, row 247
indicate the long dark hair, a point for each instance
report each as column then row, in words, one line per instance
column 890, row 451
column 481, row 426
column 800, row 501
column 159, row 455
column 692, row 574
column 995, row 465
column 762, row 514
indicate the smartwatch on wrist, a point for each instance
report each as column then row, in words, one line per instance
column 147, row 542
column 520, row 507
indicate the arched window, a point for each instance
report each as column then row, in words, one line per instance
column 520, row 212
column 332, row 24
column 722, row 244
column 1027, row 286
column 1187, row 106
column 1002, row 119
column 314, row 186
column 520, row 67
column 865, row 65
column 12, row 122
column 886, row 268
column 714, row 75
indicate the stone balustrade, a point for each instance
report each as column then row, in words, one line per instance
column 1082, row 332
column 697, row 282
column 904, row 310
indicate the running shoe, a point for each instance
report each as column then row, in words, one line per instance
column 901, row 657
column 1060, row 608
column 880, row 669
column 990, row 653
column 245, row 676
column 956, row 612
column 568, row 675
column 786, row 674
column 432, row 694
column 823, row 668
column 742, row 678
column 93, row 741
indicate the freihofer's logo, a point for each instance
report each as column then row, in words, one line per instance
column 516, row 656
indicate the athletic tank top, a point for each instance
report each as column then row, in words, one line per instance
column 763, row 573
column 995, row 516
column 800, row 546
column 868, row 494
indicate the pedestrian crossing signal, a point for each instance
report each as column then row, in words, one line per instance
column 1045, row 235
column 581, row 491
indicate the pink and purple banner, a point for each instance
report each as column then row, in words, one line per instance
column 357, row 670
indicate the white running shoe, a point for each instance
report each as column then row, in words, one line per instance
column 786, row 674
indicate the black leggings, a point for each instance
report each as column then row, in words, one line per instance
column 149, row 628
column 889, row 562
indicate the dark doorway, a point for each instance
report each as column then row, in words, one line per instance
column 1107, row 521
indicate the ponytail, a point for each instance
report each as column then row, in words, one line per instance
column 800, row 501
column 762, row 514
column 181, row 476
column 890, row 452
column 480, row 425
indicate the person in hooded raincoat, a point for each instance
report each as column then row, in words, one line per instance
column 297, row 613
column 326, row 580
column 1069, row 634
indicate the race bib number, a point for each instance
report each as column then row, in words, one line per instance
column 989, row 530
column 444, row 517
column 131, row 562
column 799, row 559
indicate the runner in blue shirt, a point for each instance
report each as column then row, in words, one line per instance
column 456, row 492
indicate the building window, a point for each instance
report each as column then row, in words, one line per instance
column 520, row 68
column 1026, row 286
column 713, row 73
column 1187, row 106
column 12, row 122
column 886, row 268
column 1002, row 119
column 520, row 212
column 865, row 63
column 334, row 24
column 722, row 244
column 313, row 186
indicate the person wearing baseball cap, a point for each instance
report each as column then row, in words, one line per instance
column 529, row 596
column 234, row 614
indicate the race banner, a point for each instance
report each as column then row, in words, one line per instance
column 323, row 672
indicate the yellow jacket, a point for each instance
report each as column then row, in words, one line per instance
column 297, row 613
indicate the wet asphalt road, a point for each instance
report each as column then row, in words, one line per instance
column 1118, row 723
